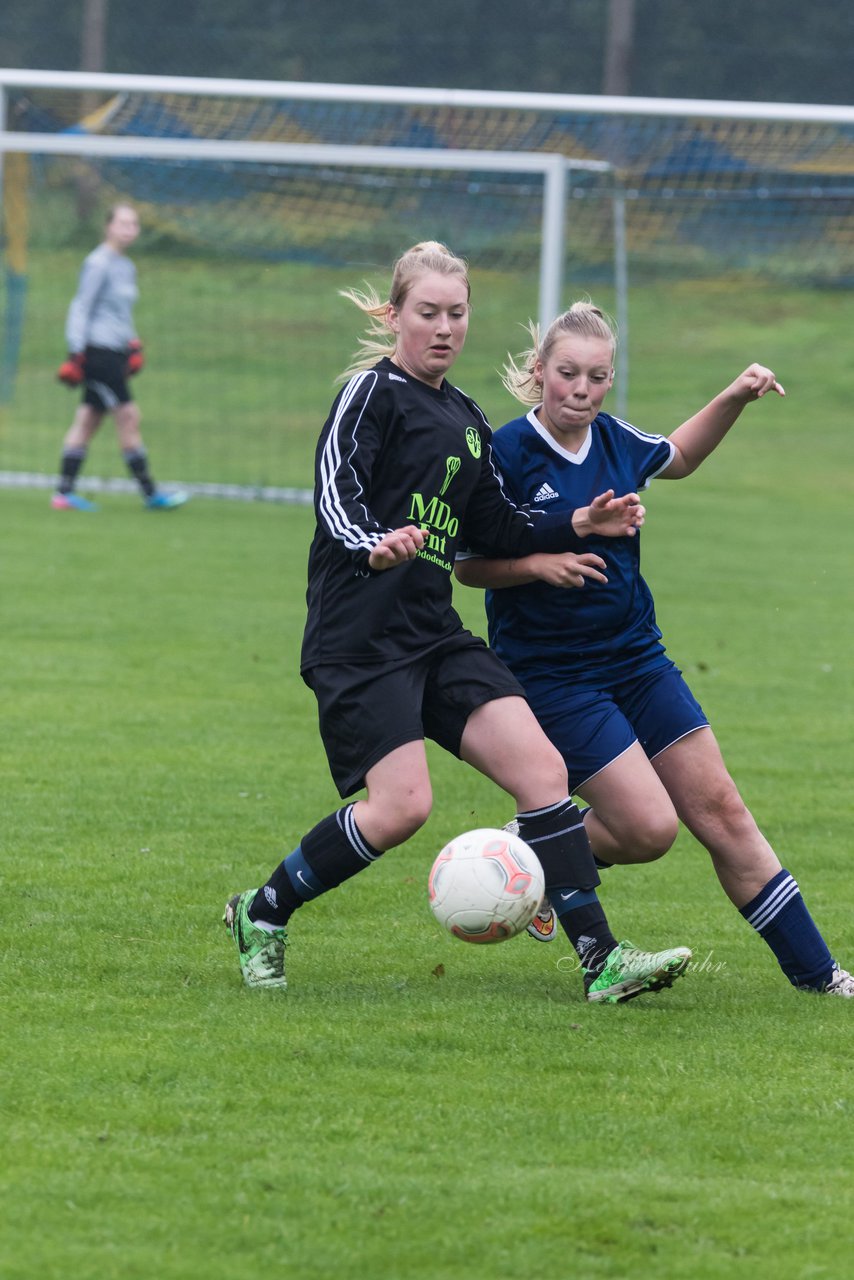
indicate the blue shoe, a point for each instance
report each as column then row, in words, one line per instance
column 166, row 501
column 71, row 502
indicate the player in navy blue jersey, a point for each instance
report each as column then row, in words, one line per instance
column 638, row 747
column 403, row 471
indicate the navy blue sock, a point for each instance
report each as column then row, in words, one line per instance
column 557, row 836
column 332, row 852
column 779, row 915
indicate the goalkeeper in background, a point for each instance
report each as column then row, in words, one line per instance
column 104, row 351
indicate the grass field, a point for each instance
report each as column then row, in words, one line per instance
column 242, row 357
column 413, row 1107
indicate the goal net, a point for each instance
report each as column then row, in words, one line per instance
column 244, row 251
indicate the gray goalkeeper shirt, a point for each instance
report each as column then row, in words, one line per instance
column 101, row 312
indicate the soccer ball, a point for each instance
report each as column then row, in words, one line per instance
column 486, row 885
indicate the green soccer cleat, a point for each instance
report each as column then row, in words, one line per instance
column 629, row 972
column 262, row 954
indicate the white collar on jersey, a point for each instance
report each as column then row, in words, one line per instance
column 577, row 458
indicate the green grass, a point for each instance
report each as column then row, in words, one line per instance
column 242, row 357
column 241, row 361
column 413, row 1107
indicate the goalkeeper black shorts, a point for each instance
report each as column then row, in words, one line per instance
column 106, row 385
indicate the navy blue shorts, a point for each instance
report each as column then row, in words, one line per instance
column 591, row 725
column 366, row 711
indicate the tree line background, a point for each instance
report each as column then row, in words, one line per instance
column 764, row 50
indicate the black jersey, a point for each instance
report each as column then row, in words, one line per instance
column 395, row 451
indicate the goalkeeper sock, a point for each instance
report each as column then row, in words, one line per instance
column 779, row 915
column 332, row 852
column 69, row 468
column 557, row 836
column 136, row 461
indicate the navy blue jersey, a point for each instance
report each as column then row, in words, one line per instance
column 538, row 629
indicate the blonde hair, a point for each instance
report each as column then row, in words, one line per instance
column 582, row 320
column 427, row 256
column 114, row 208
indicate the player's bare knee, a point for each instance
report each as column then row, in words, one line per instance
column 655, row 836
column 721, row 810
column 733, row 817
column 127, row 422
column 418, row 811
column 646, row 836
column 400, row 822
column 543, row 780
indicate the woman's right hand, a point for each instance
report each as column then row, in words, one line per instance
column 567, row 569
column 395, row 547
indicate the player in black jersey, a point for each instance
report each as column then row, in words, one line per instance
column 404, row 470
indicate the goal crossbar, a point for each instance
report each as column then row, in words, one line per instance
column 202, row 86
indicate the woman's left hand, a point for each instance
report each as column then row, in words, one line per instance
column 754, row 383
column 610, row 517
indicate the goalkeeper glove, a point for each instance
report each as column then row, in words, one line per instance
column 136, row 359
column 72, row 370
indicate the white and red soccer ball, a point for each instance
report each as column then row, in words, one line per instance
column 486, row 885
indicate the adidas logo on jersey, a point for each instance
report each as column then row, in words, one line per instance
column 545, row 493
column 393, row 377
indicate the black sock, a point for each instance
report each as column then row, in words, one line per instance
column 69, row 469
column 584, row 922
column 557, row 836
column 603, row 866
column 137, row 464
column 332, row 852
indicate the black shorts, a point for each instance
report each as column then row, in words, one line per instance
column 106, row 384
column 366, row 710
